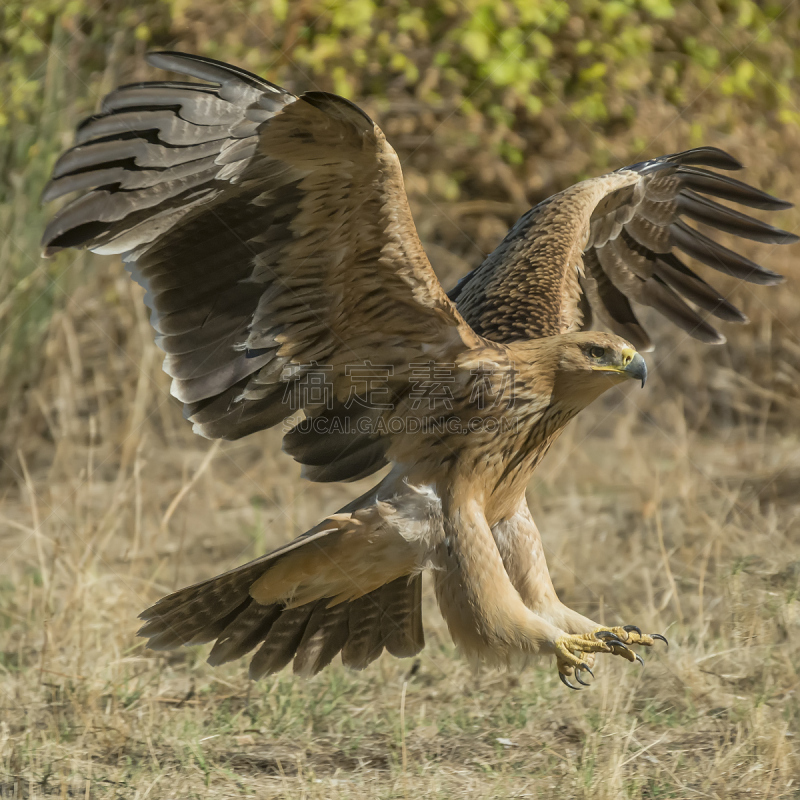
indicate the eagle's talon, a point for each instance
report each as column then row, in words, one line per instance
column 564, row 680
column 633, row 628
column 639, row 659
column 578, row 674
column 624, row 651
column 609, row 638
column 576, row 652
column 660, row 638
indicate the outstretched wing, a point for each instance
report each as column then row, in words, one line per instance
column 273, row 237
column 610, row 241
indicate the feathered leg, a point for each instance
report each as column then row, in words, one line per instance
column 490, row 616
column 521, row 550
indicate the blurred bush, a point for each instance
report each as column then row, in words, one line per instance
column 491, row 104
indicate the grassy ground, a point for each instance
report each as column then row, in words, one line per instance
column 676, row 508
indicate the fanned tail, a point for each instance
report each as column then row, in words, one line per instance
column 221, row 610
column 351, row 585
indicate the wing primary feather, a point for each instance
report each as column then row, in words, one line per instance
column 701, row 209
column 727, row 188
column 207, row 69
column 657, row 294
column 705, row 156
column 707, row 251
column 674, row 272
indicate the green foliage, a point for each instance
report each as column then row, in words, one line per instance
column 590, row 59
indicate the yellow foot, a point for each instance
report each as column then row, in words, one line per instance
column 575, row 652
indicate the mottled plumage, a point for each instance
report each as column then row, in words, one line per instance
column 274, row 240
column 615, row 235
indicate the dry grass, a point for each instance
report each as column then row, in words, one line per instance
column 108, row 501
column 675, row 508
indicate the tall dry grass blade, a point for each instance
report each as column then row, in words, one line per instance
column 33, row 505
column 189, row 485
column 665, row 561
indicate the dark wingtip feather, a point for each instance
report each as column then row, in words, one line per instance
column 714, row 255
column 701, row 180
column 656, row 293
column 50, row 192
column 708, row 212
column 691, row 286
column 708, row 157
column 778, row 204
column 207, row 69
column 55, row 238
column 698, row 156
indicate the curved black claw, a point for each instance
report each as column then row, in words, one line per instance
column 567, row 683
column 607, row 637
column 634, row 628
column 578, row 674
column 660, row 638
column 639, row 659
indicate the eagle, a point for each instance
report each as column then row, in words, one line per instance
column 287, row 285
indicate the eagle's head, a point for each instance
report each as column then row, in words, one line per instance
column 598, row 356
column 588, row 363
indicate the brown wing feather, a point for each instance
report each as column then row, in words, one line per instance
column 611, row 241
column 273, row 236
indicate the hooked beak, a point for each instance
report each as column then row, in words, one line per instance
column 632, row 365
column 635, row 367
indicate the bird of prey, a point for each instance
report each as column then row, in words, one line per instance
column 273, row 237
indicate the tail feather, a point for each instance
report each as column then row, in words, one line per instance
column 364, row 642
column 324, row 637
column 348, row 585
column 282, row 641
column 211, row 631
column 247, row 630
column 198, row 613
column 312, row 634
column 401, row 617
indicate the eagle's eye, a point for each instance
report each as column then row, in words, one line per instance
column 597, row 352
